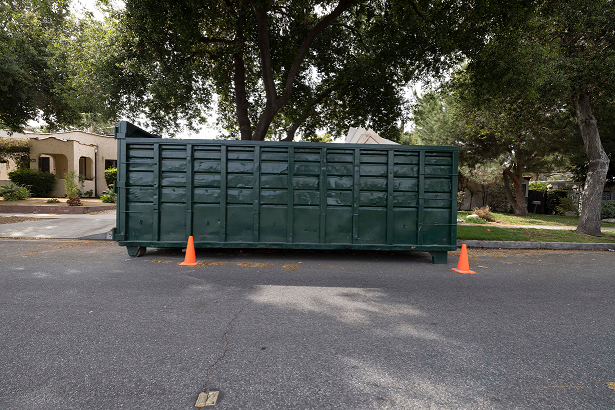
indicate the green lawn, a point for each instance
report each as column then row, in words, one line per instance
column 493, row 233
column 533, row 219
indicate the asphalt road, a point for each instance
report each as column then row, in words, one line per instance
column 86, row 327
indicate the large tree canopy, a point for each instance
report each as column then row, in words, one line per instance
column 27, row 79
column 275, row 69
column 563, row 59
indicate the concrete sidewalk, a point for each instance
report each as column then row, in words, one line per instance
column 56, row 226
column 569, row 228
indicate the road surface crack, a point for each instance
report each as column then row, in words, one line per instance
column 230, row 327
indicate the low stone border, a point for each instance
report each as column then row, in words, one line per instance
column 34, row 209
column 538, row 245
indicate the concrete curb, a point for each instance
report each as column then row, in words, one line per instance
column 539, row 245
column 105, row 236
column 35, row 209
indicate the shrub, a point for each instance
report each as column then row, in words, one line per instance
column 109, row 199
column 14, row 192
column 607, row 209
column 88, row 194
column 74, row 201
column 39, row 182
column 538, row 186
column 109, row 196
column 497, row 198
column 484, row 213
column 553, row 200
column 71, row 185
column 566, row 205
column 53, row 201
column 110, row 175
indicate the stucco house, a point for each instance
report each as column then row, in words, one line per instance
column 86, row 153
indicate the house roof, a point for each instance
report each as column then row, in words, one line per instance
column 62, row 139
column 64, row 135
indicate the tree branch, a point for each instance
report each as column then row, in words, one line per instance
column 307, row 41
column 210, row 40
column 416, row 10
column 265, row 52
column 290, row 133
column 353, row 30
column 241, row 99
column 275, row 102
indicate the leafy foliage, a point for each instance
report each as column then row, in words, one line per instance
column 28, row 79
column 109, row 196
column 71, row 184
column 566, row 204
column 495, row 136
column 538, row 185
column 110, row 175
column 561, row 61
column 13, row 147
column 40, row 183
column 14, row 192
column 554, row 199
column 16, row 149
column 497, row 198
column 275, row 69
column 608, row 209
column 74, row 201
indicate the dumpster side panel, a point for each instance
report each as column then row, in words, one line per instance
column 293, row 195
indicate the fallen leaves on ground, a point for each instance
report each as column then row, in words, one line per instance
column 252, row 265
column 208, row 263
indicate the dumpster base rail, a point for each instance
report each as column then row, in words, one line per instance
column 439, row 253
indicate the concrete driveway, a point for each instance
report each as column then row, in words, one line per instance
column 41, row 226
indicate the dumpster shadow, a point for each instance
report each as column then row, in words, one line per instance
column 273, row 254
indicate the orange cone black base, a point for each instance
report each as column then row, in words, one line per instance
column 190, row 259
column 463, row 266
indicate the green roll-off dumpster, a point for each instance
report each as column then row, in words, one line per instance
column 254, row 194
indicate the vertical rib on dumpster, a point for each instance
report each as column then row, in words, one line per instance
column 421, row 210
column 390, row 186
column 223, row 178
column 157, row 190
column 323, row 196
column 290, row 209
column 256, row 194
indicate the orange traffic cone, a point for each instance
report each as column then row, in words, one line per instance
column 463, row 266
column 190, row 259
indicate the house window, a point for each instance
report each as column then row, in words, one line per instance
column 44, row 164
column 110, row 163
column 86, row 167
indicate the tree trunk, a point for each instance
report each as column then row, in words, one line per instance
column 239, row 80
column 518, row 203
column 241, row 100
column 484, row 194
column 591, row 198
column 290, row 133
column 274, row 101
